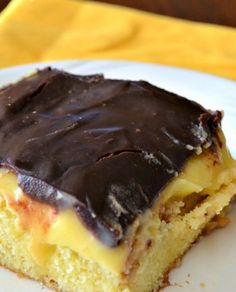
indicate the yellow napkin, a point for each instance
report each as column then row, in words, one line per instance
column 42, row 30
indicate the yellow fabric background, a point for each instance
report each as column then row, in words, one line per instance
column 40, row 30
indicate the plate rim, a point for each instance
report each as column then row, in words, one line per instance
column 115, row 62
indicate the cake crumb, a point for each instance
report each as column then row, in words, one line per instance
column 218, row 221
column 175, row 284
column 202, row 285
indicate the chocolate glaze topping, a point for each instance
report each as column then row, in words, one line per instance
column 105, row 148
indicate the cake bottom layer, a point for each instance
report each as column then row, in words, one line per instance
column 68, row 271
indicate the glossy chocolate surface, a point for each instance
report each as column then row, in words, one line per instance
column 103, row 147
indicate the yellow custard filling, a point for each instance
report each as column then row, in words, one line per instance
column 202, row 174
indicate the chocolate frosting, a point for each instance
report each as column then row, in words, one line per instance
column 105, row 148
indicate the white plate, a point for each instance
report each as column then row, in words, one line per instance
column 211, row 264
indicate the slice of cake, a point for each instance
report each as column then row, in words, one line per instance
column 104, row 184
